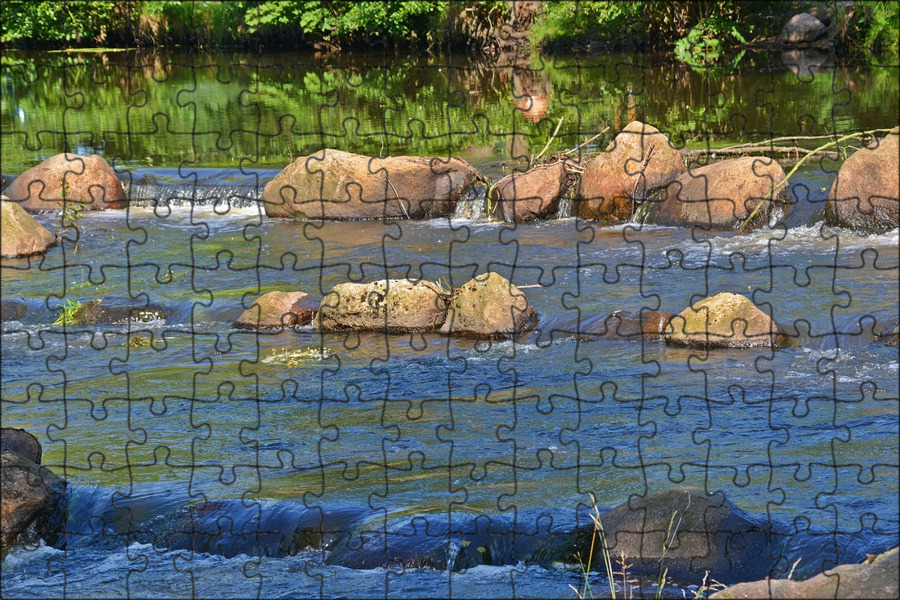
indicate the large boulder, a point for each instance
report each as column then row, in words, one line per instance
column 639, row 160
column 725, row 320
column 875, row 579
column 533, row 195
column 866, row 192
column 337, row 185
column 630, row 325
column 21, row 235
column 87, row 182
column 20, row 442
column 802, row 28
column 393, row 306
column 31, row 502
column 707, row 533
column 276, row 310
column 723, row 195
column 489, row 306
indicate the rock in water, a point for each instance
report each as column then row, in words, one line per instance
column 21, row 235
column 337, row 185
column 722, row 195
column 533, row 195
column 276, row 310
column 725, row 320
column 87, row 182
column 707, row 533
column 878, row 579
column 638, row 161
column 865, row 194
column 394, row 306
column 32, row 501
column 489, row 306
column 20, row 442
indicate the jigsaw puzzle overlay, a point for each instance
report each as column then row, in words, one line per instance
column 370, row 325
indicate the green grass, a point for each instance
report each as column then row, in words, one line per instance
column 66, row 315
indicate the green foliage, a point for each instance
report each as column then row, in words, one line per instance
column 876, row 28
column 57, row 21
column 566, row 22
column 705, row 42
column 66, row 314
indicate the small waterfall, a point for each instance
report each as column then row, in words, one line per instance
column 472, row 205
column 453, row 548
column 152, row 193
column 565, row 207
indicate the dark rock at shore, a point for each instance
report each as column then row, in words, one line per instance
column 865, row 194
column 875, row 579
column 84, row 181
column 21, row 442
column 277, row 310
column 708, row 533
column 337, row 185
column 889, row 335
column 522, row 197
column 33, row 501
column 802, row 28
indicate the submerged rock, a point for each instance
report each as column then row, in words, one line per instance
column 393, row 306
column 32, row 501
column 875, row 579
column 639, row 160
column 802, row 28
column 276, row 310
column 337, row 185
column 20, row 442
column 865, row 194
column 489, row 306
column 722, row 195
column 725, row 320
column 633, row 325
column 21, row 234
column 707, row 533
column 84, row 181
column 12, row 310
column 114, row 311
column 533, row 195
column 890, row 335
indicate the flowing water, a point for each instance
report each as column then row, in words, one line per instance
column 417, row 465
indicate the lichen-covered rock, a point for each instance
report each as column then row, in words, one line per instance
column 865, row 194
column 276, row 310
column 21, row 235
column 875, row 579
column 533, row 195
column 725, row 320
column 722, row 195
column 639, row 160
column 31, row 502
column 85, row 181
column 489, row 306
column 630, row 325
column 802, row 28
column 21, row 442
column 337, row 185
column 707, row 533
column 393, row 306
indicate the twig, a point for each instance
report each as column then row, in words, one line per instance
column 575, row 149
column 797, row 166
column 550, row 141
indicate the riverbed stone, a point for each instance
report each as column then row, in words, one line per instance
column 723, row 195
column 32, row 501
column 337, row 185
column 708, row 533
column 489, row 306
column 725, row 320
column 12, row 309
column 276, row 310
column 393, row 306
column 865, row 194
column 116, row 311
column 890, row 335
column 631, row 325
column 21, row 442
column 639, row 160
column 522, row 197
column 21, row 234
column 89, row 183
column 802, row 28
column 875, row 579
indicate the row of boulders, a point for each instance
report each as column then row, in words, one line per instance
column 487, row 306
column 639, row 166
column 33, row 497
